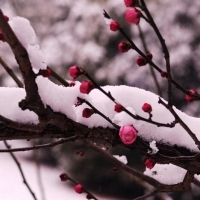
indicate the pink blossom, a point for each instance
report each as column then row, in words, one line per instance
column 149, row 163
column 147, row 107
column 75, row 71
column 114, row 26
column 79, row 188
column 132, row 16
column 130, row 3
column 86, row 86
column 124, row 47
column 128, row 134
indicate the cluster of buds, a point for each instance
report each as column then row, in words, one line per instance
column 142, row 61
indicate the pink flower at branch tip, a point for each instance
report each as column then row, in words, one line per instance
column 191, row 98
column 87, row 112
column 128, row 134
column 130, row 3
column 114, row 26
column 124, row 47
column 86, row 87
column 132, row 16
column 149, row 163
column 75, row 71
column 79, row 188
column 147, row 108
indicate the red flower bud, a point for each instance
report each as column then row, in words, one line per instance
column 6, row 18
column 149, row 55
column 45, row 73
column 141, row 61
column 149, row 163
column 63, row 176
column 124, row 46
column 86, row 87
column 87, row 112
column 163, row 74
column 114, row 26
column 191, row 98
column 119, row 108
column 75, row 71
column 130, row 3
column 2, row 38
column 132, row 16
column 147, row 108
column 79, row 188
column 72, row 84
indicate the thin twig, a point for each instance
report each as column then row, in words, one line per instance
column 58, row 77
column 150, row 67
column 147, row 195
column 21, row 171
column 137, row 117
column 180, row 121
column 48, row 145
column 11, row 73
column 165, row 51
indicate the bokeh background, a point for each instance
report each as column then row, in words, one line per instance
column 75, row 33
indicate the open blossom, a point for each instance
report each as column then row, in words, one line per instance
column 147, row 107
column 124, row 46
column 87, row 112
column 191, row 98
column 86, row 86
column 130, row 3
column 132, row 16
column 75, row 71
column 114, row 26
column 128, row 134
column 149, row 163
column 79, row 188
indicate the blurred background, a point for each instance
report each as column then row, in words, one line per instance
column 75, row 33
